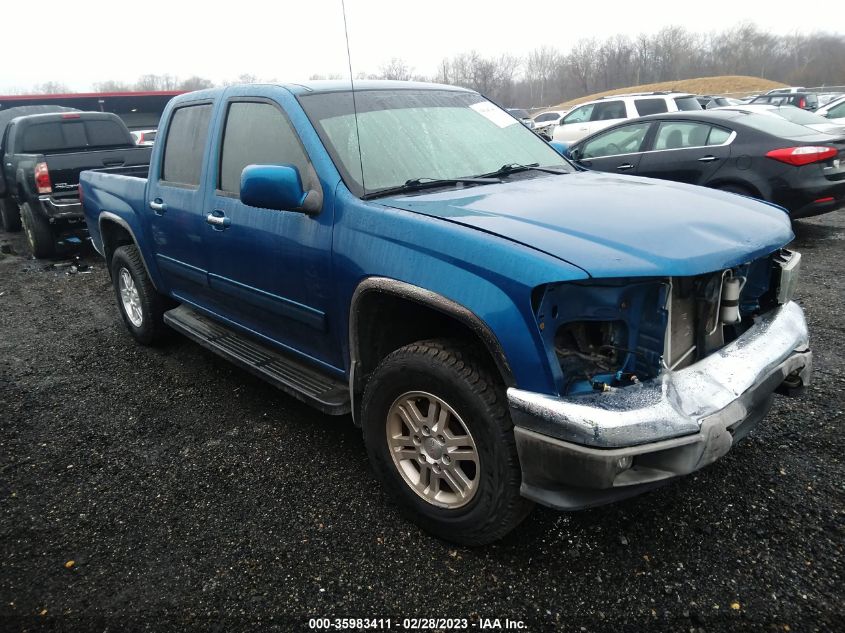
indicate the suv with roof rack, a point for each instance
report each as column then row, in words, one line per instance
column 596, row 115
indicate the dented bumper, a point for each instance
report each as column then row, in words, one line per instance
column 588, row 450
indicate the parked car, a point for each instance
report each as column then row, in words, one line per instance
column 596, row 115
column 545, row 122
column 523, row 117
column 834, row 111
column 803, row 100
column 532, row 332
column 10, row 216
column 796, row 115
column 828, row 97
column 786, row 90
column 755, row 155
column 43, row 155
column 708, row 102
column 144, row 137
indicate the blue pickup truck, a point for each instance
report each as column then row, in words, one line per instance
column 505, row 327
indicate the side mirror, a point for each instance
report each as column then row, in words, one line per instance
column 277, row 187
column 574, row 154
column 560, row 148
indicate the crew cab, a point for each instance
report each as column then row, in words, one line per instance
column 43, row 155
column 505, row 327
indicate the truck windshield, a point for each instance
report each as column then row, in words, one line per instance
column 408, row 135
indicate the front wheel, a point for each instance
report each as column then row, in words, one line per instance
column 40, row 236
column 10, row 216
column 440, row 439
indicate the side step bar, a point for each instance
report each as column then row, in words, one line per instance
column 292, row 376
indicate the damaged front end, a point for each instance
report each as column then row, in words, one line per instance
column 656, row 377
column 608, row 334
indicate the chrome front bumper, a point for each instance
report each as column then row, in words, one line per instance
column 587, row 450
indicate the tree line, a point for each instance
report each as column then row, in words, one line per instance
column 548, row 75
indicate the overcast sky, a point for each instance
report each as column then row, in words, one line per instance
column 79, row 42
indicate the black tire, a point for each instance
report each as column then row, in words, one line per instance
column 452, row 372
column 40, row 236
column 10, row 216
column 152, row 305
column 738, row 189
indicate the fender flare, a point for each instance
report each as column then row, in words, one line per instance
column 410, row 292
column 113, row 217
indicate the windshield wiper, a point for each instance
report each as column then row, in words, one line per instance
column 415, row 184
column 513, row 168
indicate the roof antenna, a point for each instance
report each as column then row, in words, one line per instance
column 354, row 103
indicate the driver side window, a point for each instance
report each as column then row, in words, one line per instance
column 837, row 112
column 627, row 139
column 579, row 115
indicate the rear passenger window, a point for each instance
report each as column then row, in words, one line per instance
column 718, row 136
column 258, row 134
column 681, row 134
column 185, row 144
column 650, row 106
column 106, row 134
column 609, row 110
column 687, row 103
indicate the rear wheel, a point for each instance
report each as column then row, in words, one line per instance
column 140, row 304
column 10, row 216
column 737, row 189
column 440, row 439
column 40, row 236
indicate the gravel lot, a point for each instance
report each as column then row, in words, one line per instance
column 192, row 496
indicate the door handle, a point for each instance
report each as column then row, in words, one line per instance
column 158, row 206
column 219, row 221
column 707, row 159
column 625, row 166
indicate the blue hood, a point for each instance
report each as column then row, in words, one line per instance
column 616, row 226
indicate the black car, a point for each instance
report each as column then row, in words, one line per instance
column 757, row 155
column 803, row 100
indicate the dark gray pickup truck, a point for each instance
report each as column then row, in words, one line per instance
column 43, row 155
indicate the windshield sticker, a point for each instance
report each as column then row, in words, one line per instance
column 493, row 114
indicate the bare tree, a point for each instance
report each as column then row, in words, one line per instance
column 157, row 82
column 111, row 85
column 195, row 83
column 397, row 69
column 51, row 88
column 540, row 70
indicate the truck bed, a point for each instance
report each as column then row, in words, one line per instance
column 65, row 168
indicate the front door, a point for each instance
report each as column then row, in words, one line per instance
column 269, row 270
column 616, row 151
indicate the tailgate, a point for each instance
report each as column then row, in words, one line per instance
column 65, row 168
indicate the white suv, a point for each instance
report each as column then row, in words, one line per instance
column 596, row 115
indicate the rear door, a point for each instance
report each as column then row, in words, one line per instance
column 175, row 204
column 271, row 269
column 686, row 151
column 618, row 150
column 607, row 113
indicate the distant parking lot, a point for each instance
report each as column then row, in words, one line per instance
column 191, row 496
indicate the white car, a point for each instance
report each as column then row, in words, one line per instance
column 144, row 137
column 795, row 115
column 787, row 90
column 596, row 115
column 834, row 111
column 546, row 121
